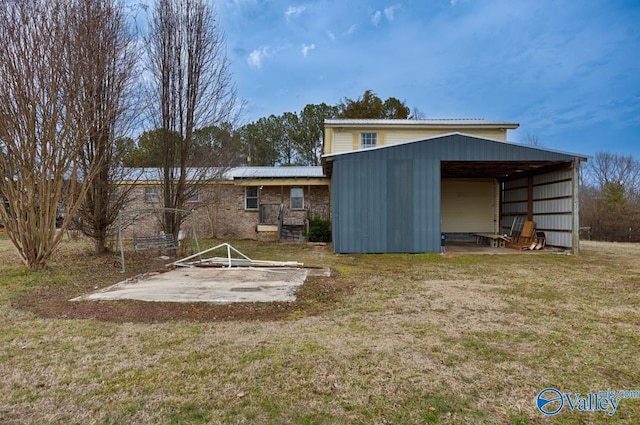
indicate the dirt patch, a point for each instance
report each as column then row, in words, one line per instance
column 316, row 295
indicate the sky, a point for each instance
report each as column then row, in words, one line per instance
column 567, row 71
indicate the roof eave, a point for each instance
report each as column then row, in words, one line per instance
column 454, row 124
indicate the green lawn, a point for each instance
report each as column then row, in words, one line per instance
column 420, row 339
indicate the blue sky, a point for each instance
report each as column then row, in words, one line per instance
column 567, row 71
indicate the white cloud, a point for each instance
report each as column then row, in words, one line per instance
column 257, row 56
column 331, row 36
column 307, row 48
column 351, row 29
column 453, row 2
column 294, row 11
column 375, row 18
column 390, row 12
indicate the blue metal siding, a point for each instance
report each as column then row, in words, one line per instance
column 359, row 209
column 386, row 206
column 426, row 223
column 399, row 205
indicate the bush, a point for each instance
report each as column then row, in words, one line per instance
column 319, row 230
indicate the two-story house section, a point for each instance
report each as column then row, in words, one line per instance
column 342, row 135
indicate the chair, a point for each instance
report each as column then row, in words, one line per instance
column 525, row 239
column 541, row 240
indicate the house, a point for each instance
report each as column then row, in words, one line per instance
column 268, row 203
column 401, row 185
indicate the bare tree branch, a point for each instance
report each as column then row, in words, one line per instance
column 105, row 53
column 42, row 125
column 192, row 88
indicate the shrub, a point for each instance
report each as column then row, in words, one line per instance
column 319, row 230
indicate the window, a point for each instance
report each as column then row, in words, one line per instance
column 297, row 198
column 151, row 194
column 251, row 198
column 368, row 140
column 193, row 194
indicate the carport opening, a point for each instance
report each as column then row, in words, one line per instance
column 472, row 199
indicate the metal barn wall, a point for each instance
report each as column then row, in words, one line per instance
column 388, row 199
column 386, row 205
column 552, row 204
column 514, row 202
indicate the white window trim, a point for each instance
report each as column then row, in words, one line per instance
column 369, row 136
column 195, row 196
column 291, row 198
column 151, row 195
column 246, row 198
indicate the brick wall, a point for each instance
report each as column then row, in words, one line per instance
column 220, row 210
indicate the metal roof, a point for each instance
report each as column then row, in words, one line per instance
column 155, row 174
column 276, row 172
column 435, row 122
column 329, row 156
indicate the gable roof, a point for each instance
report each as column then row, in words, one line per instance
column 448, row 135
column 462, row 155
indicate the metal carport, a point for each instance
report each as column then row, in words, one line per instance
column 388, row 198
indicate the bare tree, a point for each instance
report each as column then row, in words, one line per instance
column 42, row 126
column 532, row 139
column 192, row 88
column 104, row 47
column 610, row 197
column 608, row 168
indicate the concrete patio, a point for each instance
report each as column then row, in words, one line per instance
column 211, row 285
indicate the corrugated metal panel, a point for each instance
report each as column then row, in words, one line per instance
column 519, row 208
column 558, row 239
column 553, row 222
column 514, row 202
column 400, row 210
column 276, row 172
column 155, row 174
column 515, row 195
column 427, row 205
column 552, row 190
column 359, row 210
column 552, row 177
column 552, row 206
column 386, row 205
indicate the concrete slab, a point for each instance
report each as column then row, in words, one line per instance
column 212, row 285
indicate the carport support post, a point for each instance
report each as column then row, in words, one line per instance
column 530, row 198
column 575, row 219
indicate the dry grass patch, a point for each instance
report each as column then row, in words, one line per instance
column 416, row 339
